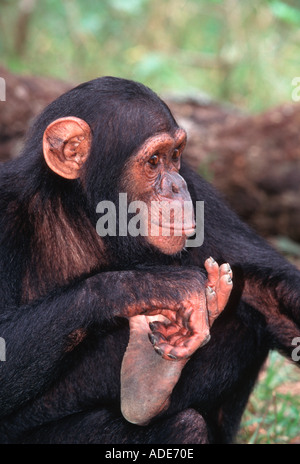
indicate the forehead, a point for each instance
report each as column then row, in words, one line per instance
column 163, row 141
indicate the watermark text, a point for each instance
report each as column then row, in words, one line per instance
column 296, row 91
column 2, row 349
column 2, row 89
column 160, row 218
column 296, row 351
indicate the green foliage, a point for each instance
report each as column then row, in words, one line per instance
column 285, row 12
column 273, row 412
column 244, row 52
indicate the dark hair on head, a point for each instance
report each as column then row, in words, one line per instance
column 128, row 113
column 122, row 114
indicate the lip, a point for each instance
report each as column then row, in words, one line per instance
column 187, row 230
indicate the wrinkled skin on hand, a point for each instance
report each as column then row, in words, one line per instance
column 149, row 375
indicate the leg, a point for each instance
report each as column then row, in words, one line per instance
column 147, row 380
column 105, row 427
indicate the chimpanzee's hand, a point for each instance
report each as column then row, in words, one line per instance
column 179, row 333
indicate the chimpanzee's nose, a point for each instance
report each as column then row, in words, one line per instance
column 175, row 188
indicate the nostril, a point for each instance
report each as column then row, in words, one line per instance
column 175, row 188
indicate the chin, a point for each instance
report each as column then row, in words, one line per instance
column 168, row 245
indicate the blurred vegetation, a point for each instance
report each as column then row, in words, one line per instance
column 273, row 412
column 243, row 52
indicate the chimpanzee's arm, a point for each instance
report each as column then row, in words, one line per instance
column 264, row 278
column 37, row 335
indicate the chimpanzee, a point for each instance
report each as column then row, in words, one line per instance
column 68, row 294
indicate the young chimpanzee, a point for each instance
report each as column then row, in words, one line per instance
column 67, row 293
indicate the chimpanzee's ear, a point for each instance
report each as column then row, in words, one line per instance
column 66, row 146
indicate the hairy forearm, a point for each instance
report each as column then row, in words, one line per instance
column 37, row 335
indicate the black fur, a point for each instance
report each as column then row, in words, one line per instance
column 59, row 283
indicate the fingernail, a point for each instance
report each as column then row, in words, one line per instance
column 171, row 356
column 210, row 289
column 207, row 338
column 152, row 339
column 228, row 267
column 212, row 260
column 229, row 280
column 158, row 350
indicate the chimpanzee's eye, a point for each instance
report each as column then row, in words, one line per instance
column 176, row 155
column 154, row 160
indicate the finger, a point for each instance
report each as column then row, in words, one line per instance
column 224, row 290
column 169, row 314
column 171, row 333
column 212, row 304
column 164, row 349
column 156, row 338
column 188, row 345
column 166, row 329
column 185, row 350
column 212, row 269
column 179, row 338
column 225, row 269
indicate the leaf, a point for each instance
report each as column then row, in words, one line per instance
column 285, row 12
